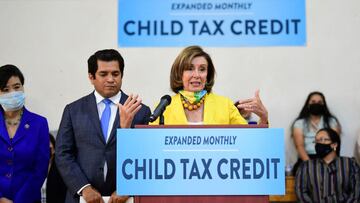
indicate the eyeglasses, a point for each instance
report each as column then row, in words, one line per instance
column 322, row 140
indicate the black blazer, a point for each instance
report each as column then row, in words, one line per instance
column 81, row 151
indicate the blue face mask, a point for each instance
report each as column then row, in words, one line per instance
column 12, row 101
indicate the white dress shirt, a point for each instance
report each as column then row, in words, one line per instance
column 113, row 107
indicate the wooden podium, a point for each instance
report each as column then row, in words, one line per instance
column 209, row 198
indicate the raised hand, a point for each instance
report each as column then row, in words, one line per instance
column 253, row 105
column 128, row 110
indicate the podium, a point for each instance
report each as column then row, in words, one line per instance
column 201, row 198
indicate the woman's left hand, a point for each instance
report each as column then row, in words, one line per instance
column 254, row 105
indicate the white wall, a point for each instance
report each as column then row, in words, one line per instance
column 51, row 40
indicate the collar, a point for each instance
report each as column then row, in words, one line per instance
column 115, row 99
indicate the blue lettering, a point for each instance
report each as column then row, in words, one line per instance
column 184, row 162
column 126, row 175
column 139, row 169
column 194, row 171
column 234, row 168
column 166, row 164
column 246, row 168
column 126, row 27
column 233, row 27
column 262, row 27
column 222, row 175
column 218, row 27
column 275, row 161
column 255, row 167
column 206, row 168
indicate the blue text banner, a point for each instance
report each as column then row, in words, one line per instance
column 218, row 161
column 164, row 23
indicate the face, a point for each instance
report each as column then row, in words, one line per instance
column 194, row 78
column 107, row 81
column 323, row 138
column 316, row 99
column 12, row 85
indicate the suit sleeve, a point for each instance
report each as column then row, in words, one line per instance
column 37, row 177
column 142, row 117
column 65, row 155
column 235, row 116
column 146, row 115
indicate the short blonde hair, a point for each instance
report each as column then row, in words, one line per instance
column 183, row 62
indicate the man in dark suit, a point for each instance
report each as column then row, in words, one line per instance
column 86, row 140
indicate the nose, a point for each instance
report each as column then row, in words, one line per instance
column 196, row 73
column 110, row 78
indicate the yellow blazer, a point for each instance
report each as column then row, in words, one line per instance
column 218, row 110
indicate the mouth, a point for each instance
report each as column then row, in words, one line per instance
column 195, row 84
column 110, row 87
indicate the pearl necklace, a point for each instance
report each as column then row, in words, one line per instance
column 192, row 106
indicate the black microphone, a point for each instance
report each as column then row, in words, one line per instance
column 164, row 101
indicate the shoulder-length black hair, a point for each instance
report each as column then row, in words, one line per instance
column 8, row 71
column 305, row 113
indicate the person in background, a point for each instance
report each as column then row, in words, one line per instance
column 191, row 79
column 24, row 142
column 357, row 148
column 85, row 150
column 330, row 177
column 55, row 186
column 314, row 116
column 52, row 152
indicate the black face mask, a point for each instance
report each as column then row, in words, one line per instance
column 317, row 109
column 322, row 149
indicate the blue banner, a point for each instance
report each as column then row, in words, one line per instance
column 226, row 23
column 219, row 161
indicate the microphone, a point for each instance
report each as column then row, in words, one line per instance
column 164, row 101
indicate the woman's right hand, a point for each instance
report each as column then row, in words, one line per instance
column 5, row 200
column 253, row 105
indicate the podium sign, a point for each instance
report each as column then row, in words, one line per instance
column 214, row 161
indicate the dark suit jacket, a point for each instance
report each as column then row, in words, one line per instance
column 81, row 151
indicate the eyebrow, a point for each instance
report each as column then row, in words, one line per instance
column 13, row 85
column 16, row 84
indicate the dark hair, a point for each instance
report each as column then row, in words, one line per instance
column 105, row 55
column 305, row 112
column 334, row 137
column 52, row 139
column 8, row 71
column 183, row 62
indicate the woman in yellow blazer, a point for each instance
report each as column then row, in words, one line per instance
column 192, row 78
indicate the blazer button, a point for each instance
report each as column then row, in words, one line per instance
column 8, row 175
column 10, row 149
